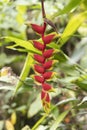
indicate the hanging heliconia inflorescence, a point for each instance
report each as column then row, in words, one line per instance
column 43, row 63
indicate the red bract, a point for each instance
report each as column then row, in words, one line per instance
column 39, row 69
column 37, row 28
column 38, row 45
column 48, row 53
column 39, row 58
column 46, row 87
column 47, row 75
column 43, row 94
column 39, row 79
column 45, row 100
column 48, row 64
column 47, row 39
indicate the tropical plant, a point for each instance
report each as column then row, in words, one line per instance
column 65, row 42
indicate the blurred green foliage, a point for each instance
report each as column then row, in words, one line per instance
column 23, row 111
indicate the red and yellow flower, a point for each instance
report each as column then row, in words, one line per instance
column 43, row 63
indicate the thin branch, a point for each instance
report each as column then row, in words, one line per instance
column 43, row 10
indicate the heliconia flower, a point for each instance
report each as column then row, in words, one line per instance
column 48, row 53
column 47, row 87
column 48, row 64
column 44, row 63
column 39, row 69
column 38, row 45
column 47, row 75
column 47, row 39
column 39, row 58
column 39, row 79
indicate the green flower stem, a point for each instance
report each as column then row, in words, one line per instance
column 39, row 122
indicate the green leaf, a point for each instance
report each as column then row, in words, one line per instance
column 53, row 45
column 35, row 107
column 11, row 88
column 68, row 79
column 59, row 120
column 21, row 108
column 25, row 71
column 85, row 3
column 35, row 6
column 0, row 43
column 69, row 7
column 82, row 104
column 42, row 127
column 60, row 57
column 82, row 84
column 72, row 26
column 27, row 85
column 83, row 100
column 2, row 56
column 13, row 47
column 1, row 124
column 64, row 102
column 22, row 43
column 26, row 128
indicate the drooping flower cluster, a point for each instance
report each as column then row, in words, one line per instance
column 43, row 63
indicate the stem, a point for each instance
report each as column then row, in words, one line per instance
column 43, row 10
column 39, row 122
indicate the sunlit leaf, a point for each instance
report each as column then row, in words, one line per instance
column 13, row 118
column 20, row 15
column 69, row 7
column 22, row 43
column 9, row 125
column 72, row 26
